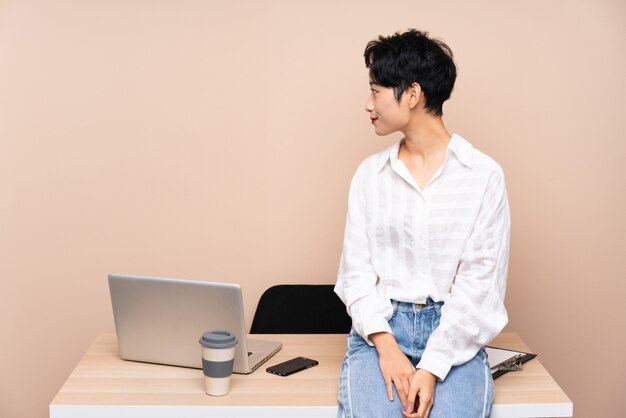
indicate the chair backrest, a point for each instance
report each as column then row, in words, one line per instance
column 300, row 309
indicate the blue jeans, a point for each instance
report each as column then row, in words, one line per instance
column 466, row 392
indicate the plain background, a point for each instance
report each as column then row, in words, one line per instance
column 215, row 140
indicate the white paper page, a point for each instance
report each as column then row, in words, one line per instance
column 497, row 356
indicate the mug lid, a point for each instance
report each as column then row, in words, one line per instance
column 218, row 339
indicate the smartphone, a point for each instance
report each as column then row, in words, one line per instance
column 292, row 366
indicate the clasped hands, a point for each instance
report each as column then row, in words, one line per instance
column 416, row 388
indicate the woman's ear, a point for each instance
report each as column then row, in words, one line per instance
column 415, row 95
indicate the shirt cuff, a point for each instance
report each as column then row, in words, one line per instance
column 434, row 365
column 375, row 325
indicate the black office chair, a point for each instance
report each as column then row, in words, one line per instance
column 300, row 309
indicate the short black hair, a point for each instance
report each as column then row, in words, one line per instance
column 411, row 57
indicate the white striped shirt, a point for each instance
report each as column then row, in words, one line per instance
column 449, row 242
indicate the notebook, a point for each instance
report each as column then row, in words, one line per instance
column 159, row 320
column 502, row 360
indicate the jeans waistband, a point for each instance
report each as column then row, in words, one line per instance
column 411, row 307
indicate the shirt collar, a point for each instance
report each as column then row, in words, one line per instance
column 462, row 149
column 390, row 154
column 458, row 145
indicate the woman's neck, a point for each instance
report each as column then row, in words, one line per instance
column 426, row 137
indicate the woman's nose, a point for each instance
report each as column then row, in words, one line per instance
column 369, row 104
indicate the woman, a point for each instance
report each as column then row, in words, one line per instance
column 424, row 263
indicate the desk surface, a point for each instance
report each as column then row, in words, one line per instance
column 104, row 385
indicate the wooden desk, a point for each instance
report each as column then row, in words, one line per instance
column 103, row 385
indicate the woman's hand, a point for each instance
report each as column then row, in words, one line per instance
column 421, row 395
column 394, row 366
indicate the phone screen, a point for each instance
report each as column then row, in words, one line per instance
column 291, row 366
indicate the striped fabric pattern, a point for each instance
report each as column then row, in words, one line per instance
column 448, row 242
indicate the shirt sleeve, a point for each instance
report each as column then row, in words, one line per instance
column 473, row 312
column 356, row 279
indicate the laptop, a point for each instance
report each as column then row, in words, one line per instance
column 159, row 320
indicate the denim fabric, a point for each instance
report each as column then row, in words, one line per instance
column 466, row 392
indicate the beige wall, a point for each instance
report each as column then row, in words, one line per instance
column 215, row 140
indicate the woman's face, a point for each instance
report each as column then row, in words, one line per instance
column 386, row 114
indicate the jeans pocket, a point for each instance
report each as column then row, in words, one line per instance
column 355, row 342
column 395, row 311
column 394, row 315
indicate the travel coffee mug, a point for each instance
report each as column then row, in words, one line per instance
column 218, row 357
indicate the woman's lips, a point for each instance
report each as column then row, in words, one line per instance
column 373, row 120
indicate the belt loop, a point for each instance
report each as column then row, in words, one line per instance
column 438, row 306
column 394, row 304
